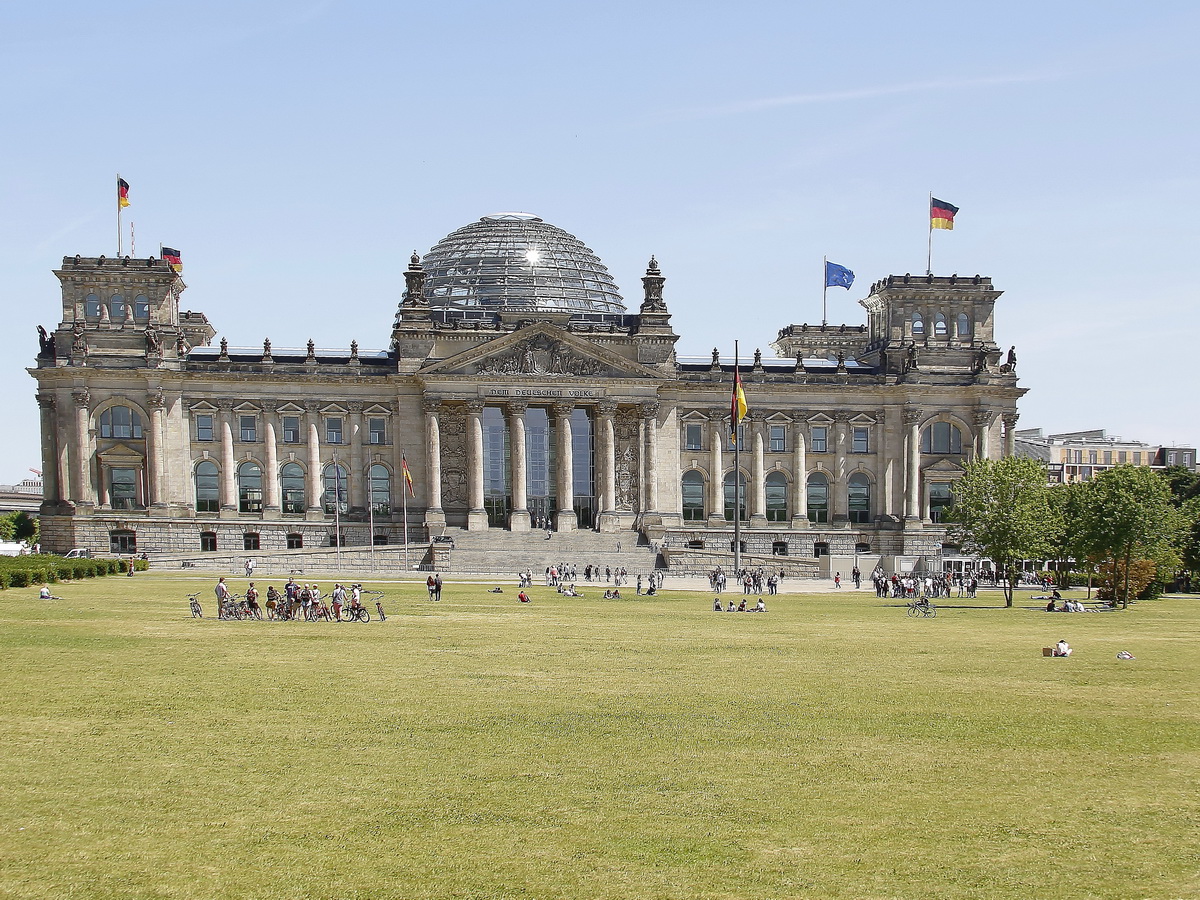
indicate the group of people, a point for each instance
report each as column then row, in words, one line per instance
column 761, row 606
column 295, row 601
column 753, row 581
column 434, row 585
column 906, row 587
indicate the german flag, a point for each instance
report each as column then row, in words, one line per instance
column 407, row 477
column 173, row 257
column 122, row 193
column 737, row 406
column 941, row 214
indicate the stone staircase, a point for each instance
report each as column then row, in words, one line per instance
column 509, row 552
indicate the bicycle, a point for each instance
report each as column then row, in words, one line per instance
column 355, row 614
column 235, row 608
column 921, row 609
column 197, row 612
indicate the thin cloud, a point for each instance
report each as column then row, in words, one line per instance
column 867, row 93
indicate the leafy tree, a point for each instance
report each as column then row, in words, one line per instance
column 1068, row 543
column 7, row 525
column 1129, row 517
column 1002, row 511
column 26, row 527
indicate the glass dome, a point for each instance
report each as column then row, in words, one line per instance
column 517, row 261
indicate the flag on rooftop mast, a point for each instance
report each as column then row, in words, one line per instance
column 941, row 215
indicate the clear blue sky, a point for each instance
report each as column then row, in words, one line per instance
column 297, row 153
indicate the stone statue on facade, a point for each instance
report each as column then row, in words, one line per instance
column 78, row 339
column 266, row 346
column 181, row 345
column 911, row 362
column 45, row 343
column 312, row 351
column 153, row 340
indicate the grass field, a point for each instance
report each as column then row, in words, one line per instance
column 476, row 748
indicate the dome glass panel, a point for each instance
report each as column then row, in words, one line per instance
column 517, row 261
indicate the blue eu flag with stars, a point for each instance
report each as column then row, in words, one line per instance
column 838, row 276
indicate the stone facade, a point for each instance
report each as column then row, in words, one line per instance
column 516, row 417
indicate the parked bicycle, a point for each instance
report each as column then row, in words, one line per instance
column 197, row 612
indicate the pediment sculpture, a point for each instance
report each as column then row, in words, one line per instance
column 541, row 355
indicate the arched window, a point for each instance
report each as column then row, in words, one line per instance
column 291, row 488
column 91, row 306
column 939, row 325
column 381, row 490
column 335, row 490
column 775, row 485
column 964, row 325
column 859, row 492
column 120, row 422
column 116, row 307
column 208, row 496
column 818, row 498
column 141, row 307
column 918, row 324
column 693, row 496
column 729, row 497
column 249, row 481
column 941, row 437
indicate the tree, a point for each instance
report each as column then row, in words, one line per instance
column 1130, row 516
column 1068, row 543
column 1002, row 511
column 26, row 527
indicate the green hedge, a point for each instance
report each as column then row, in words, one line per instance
column 24, row 571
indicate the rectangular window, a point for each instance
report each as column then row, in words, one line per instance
column 778, row 444
column 1108, row 457
column 1187, row 460
column 860, row 442
column 1091, row 457
column 820, row 436
column 693, row 437
column 333, row 430
column 377, row 430
column 1122, row 457
column 208, row 542
column 1137, row 457
column 1170, row 457
column 204, row 428
column 248, row 427
column 291, row 429
column 123, row 488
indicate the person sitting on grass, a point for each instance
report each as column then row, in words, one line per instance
column 742, row 605
column 761, row 607
column 522, row 597
column 732, row 608
column 1062, row 648
column 717, row 607
column 44, row 593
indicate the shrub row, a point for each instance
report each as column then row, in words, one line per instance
column 23, row 571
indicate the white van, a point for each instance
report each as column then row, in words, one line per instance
column 79, row 553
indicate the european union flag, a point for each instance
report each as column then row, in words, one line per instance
column 838, row 276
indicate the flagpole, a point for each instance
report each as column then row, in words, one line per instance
column 119, row 245
column 929, row 249
column 825, row 289
column 737, row 477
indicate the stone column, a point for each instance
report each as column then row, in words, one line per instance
column 839, row 501
column 81, row 466
column 314, row 486
column 565, row 520
column 49, row 424
column 518, row 519
column 434, row 515
column 912, row 472
column 800, row 475
column 758, row 474
column 716, row 484
column 607, row 470
column 650, row 419
column 229, row 498
column 271, row 503
column 156, row 468
column 358, row 475
column 476, row 515
column 1010, row 433
column 982, row 422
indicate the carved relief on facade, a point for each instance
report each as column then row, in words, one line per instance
column 541, row 355
column 452, row 422
column 625, row 430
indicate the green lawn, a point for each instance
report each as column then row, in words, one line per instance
column 585, row 748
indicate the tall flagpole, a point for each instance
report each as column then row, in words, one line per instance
column 737, row 474
column 119, row 244
column 929, row 250
column 825, row 289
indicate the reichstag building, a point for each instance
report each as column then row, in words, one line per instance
column 524, row 392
